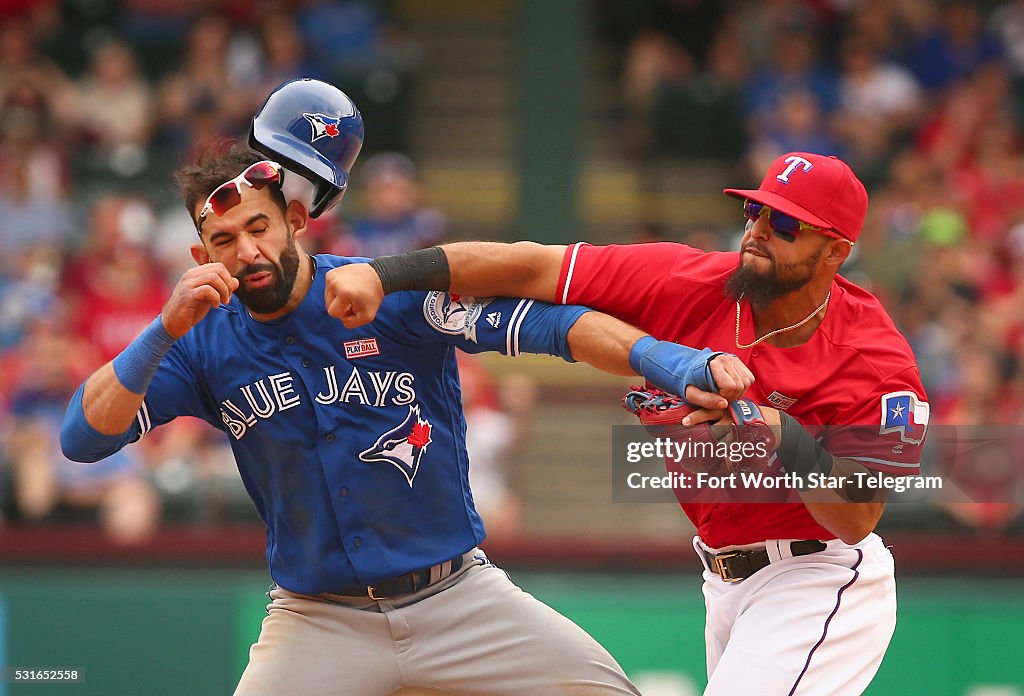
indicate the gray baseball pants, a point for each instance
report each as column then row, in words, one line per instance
column 473, row 633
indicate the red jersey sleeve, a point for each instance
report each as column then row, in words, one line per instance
column 886, row 430
column 627, row 280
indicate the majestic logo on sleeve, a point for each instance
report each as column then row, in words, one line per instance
column 452, row 314
column 323, row 126
column 903, row 413
column 402, row 446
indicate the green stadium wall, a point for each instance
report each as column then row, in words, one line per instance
column 165, row 631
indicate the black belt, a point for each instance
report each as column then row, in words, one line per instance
column 404, row 584
column 733, row 566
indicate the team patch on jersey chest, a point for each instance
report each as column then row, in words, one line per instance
column 780, row 401
column 361, row 347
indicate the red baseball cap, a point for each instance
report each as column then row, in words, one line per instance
column 819, row 190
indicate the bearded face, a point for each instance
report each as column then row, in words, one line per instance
column 264, row 288
column 761, row 278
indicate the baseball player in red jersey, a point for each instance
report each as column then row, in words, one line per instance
column 800, row 596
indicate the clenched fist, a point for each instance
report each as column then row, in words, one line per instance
column 200, row 289
column 731, row 376
column 353, row 294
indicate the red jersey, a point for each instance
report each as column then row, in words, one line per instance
column 855, row 370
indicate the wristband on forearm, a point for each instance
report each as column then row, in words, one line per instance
column 671, row 366
column 425, row 269
column 798, row 452
column 136, row 364
column 637, row 351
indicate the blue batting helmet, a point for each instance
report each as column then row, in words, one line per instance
column 315, row 130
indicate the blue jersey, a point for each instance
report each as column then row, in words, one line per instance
column 351, row 443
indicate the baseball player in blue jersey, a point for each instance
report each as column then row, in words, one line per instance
column 351, row 443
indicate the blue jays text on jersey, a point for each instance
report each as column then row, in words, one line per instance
column 351, row 443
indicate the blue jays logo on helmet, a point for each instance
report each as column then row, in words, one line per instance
column 323, row 126
column 315, row 130
column 402, row 446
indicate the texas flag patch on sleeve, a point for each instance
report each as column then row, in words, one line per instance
column 904, row 413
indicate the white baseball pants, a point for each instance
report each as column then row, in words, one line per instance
column 804, row 625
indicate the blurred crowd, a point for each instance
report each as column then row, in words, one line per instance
column 100, row 100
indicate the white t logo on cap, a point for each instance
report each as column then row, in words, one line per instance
column 793, row 163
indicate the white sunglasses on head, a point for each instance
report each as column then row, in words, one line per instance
column 229, row 194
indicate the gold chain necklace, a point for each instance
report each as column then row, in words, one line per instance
column 803, row 321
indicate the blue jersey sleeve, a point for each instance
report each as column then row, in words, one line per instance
column 176, row 390
column 173, row 392
column 506, row 325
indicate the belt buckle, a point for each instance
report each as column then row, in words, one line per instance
column 370, row 591
column 720, row 568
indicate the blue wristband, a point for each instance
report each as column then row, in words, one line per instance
column 671, row 366
column 136, row 364
column 636, row 353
